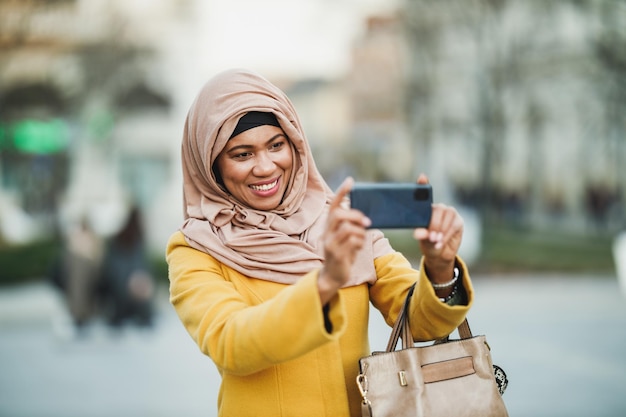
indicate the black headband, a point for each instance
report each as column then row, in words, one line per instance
column 254, row 119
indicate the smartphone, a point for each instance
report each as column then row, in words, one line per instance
column 393, row 205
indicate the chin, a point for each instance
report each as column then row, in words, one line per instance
column 263, row 205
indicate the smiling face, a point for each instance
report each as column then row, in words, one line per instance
column 256, row 165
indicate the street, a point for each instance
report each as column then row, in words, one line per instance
column 561, row 340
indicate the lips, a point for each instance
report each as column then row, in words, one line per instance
column 264, row 187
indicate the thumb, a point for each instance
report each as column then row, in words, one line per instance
column 421, row 233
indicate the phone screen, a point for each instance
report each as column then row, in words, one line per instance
column 393, row 205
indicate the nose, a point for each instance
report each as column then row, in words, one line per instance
column 264, row 165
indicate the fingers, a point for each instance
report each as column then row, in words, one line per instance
column 338, row 214
column 421, row 233
column 342, row 192
column 444, row 223
column 437, row 223
column 345, row 235
column 452, row 224
column 445, row 226
column 345, row 226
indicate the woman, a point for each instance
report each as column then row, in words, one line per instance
column 272, row 274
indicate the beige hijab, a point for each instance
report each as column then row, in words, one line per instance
column 279, row 245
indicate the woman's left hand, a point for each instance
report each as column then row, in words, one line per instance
column 440, row 242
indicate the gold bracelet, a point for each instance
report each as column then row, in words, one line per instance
column 449, row 283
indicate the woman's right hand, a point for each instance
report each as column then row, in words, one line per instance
column 343, row 238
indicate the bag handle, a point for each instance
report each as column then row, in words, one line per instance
column 402, row 328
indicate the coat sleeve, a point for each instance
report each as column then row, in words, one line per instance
column 430, row 319
column 243, row 336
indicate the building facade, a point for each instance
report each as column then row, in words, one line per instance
column 519, row 106
column 512, row 107
column 90, row 112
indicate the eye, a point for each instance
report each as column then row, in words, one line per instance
column 242, row 155
column 277, row 145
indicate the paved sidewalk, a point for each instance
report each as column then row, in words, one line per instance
column 48, row 371
column 561, row 339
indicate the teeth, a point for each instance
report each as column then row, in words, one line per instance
column 264, row 187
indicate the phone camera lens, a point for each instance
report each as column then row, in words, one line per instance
column 421, row 194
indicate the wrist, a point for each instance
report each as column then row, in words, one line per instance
column 440, row 272
column 448, row 284
column 453, row 291
column 326, row 287
column 445, row 280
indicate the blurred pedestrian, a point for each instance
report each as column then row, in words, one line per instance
column 81, row 272
column 127, row 282
column 272, row 274
column 619, row 257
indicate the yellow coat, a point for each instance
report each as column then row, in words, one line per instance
column 269, row 341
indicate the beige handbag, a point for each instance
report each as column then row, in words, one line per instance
column 444, row 379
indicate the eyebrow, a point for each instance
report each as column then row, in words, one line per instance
column 241, row 147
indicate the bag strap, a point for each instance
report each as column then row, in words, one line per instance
column 398, row 326
column 402, row 328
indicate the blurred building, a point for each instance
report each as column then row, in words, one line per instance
column 520, row 106
column 512, row 107
column 325, row 110
column 515, row 107
column 380, row 146
column 91, row 97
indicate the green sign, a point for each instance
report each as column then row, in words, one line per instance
column 40, row 137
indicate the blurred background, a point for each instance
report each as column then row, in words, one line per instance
column 513, row 108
